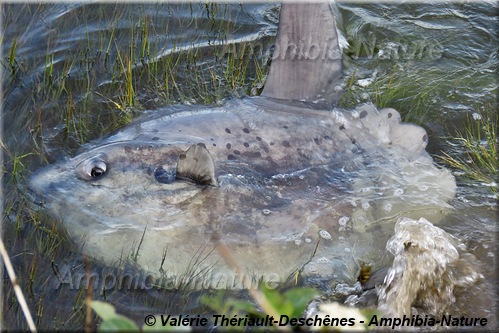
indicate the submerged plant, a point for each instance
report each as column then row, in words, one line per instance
column 478, row 141
column 392, row 88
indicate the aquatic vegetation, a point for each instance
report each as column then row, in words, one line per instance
column 12, row 58
column 113, row 73
column 476, row 157
column 54, row 102
column 473, row 146
column 414, row 98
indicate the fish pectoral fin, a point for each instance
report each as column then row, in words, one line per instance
column 197, row 165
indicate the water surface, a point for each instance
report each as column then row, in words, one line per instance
column 75, row 72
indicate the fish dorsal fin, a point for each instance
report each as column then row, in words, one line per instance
column 196, row 164
column 306, row 64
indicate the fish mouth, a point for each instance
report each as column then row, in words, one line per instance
column 35, row 191
column 35, row 197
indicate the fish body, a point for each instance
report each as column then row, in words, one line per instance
column 285, row 177
column 286, row 181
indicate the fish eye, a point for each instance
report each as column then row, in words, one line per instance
column 93, row 168
column 97, row 171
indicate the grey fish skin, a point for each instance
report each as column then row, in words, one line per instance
column 306, row 65
column 279, row 169
column 274, row 137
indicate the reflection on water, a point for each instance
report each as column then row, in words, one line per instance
column 66, row 80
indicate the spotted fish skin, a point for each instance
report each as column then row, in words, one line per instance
column 283, row 175
column 273, row 137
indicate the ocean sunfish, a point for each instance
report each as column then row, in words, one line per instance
column 285, row 181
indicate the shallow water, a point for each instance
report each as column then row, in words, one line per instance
column 436, row 64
